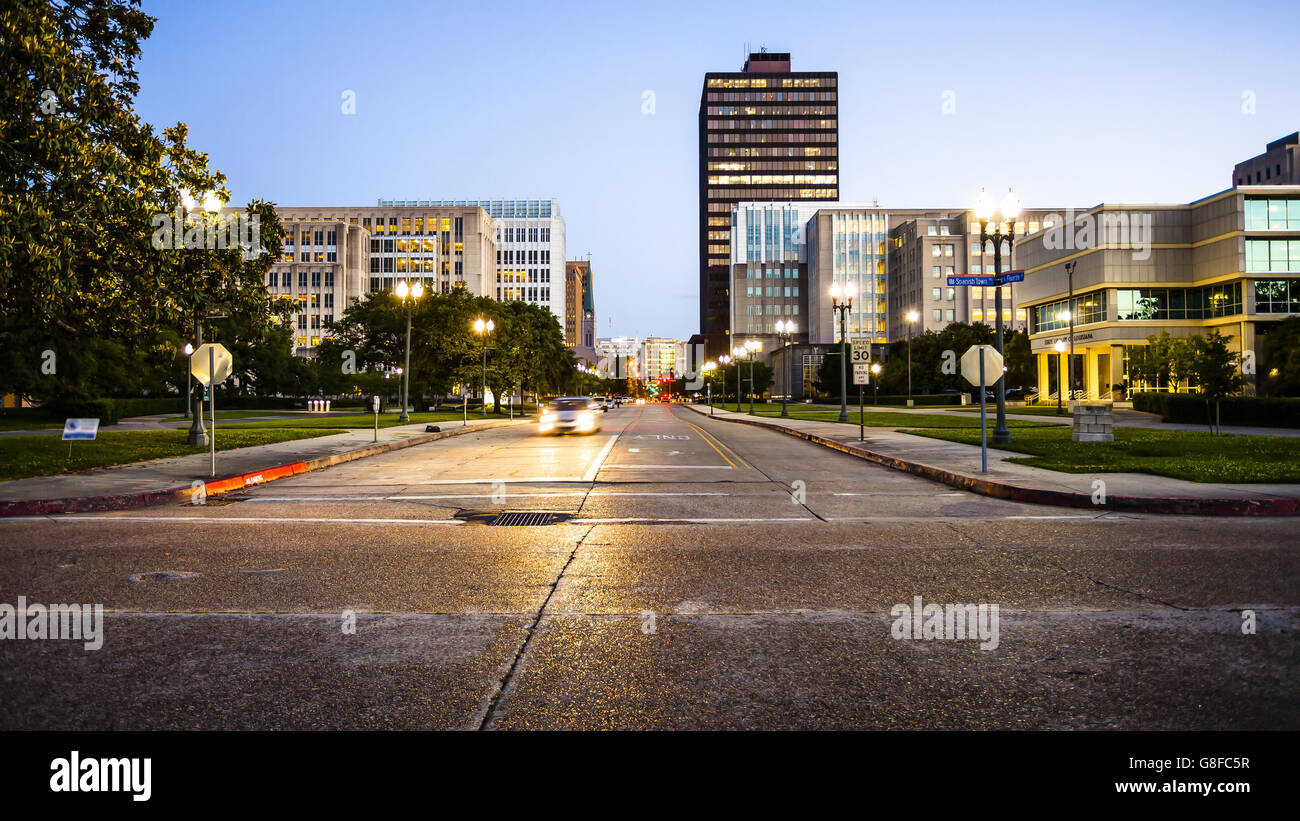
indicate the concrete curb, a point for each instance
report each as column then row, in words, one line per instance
column 126, row 501
column 1265, row 506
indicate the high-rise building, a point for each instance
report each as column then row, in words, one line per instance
column 530, row 248
column 766, row 133
column 323, row 267
column 1278, row 165
column 574, row 281
column 660, row 356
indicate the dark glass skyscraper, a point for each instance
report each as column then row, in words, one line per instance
column 766, row 133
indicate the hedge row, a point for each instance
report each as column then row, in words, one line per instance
column 1190, row 408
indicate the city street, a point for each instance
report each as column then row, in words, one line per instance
column 702, row 575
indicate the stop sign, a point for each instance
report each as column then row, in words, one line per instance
column 970, row 364
column 214, row 355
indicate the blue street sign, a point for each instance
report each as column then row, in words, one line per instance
column 1008, row 277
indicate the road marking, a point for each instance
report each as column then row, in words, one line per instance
column 426, row 497
column 668, row 467
column 79, row 517
column 590, row 475
column 711, row 439
column 687, row 520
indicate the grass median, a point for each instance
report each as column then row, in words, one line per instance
column 47, row 454
column 1190, row 455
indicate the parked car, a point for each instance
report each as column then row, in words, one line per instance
column 570, row 414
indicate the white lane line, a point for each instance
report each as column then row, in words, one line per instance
column 689, row 520
column 79, row 517
column 590, row 475
column 516, row 479
column 424, row 497
column 667, row 467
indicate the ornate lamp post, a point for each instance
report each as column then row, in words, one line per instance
column 725, row 359
column 912, row 316
column 737, row 354
column 198, row 434
column 708, row 383
column 408, row 295
column 875, row 382
column 483, row 328
column 1060, row 385
column 785, row 330
column 752, row 346
column 1003, row 215
column 842, row 303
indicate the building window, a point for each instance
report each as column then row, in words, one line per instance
column 1277, row 296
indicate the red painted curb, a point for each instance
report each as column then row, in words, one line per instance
column 1265, row 506
column 126, row 501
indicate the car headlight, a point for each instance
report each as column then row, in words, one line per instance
column 586, row 419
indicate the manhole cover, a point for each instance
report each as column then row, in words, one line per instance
column 528, row 518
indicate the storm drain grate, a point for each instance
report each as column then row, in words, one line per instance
column 527, row 518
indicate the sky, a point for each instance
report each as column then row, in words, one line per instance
column 1068, row 104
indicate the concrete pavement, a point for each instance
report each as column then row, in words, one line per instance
column 710, row 575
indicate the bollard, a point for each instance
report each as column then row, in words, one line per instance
column 327, row 406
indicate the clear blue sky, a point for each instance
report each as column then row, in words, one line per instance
column 1070, row 104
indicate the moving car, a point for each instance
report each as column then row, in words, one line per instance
column 570, row 414
column 608, row 404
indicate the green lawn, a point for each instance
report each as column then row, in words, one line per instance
column 46, row 454
column 1033, row 410
column 28, row 423
column 1191, row 455
column 359, row 420
column 902, row 420
column 228, row 415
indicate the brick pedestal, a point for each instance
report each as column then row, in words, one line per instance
column 1093, row 422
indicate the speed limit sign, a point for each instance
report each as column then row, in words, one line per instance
column 861, row 351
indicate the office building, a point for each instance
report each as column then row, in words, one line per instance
column 530, row 248
column 1278, row 165
column 661, row 356
column 1228, row 262
column 323, row 267
column 765, row 133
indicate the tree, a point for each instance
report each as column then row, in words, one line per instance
column 82, row 180
column 1280, row 371
column 1211, row 365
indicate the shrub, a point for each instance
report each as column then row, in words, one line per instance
column 1190, row 408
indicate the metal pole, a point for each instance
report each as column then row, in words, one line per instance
column 484, row 413
column 1060, row 386
column 1069, row 363
column 785, row 397
column 708, row 389
column 406, row 370
column 844, row 365
column 909, row 362
column 984, row 425
column 198, row 435
column 751, row 383
column 1001, row 435
column 212, row 404
column 862, row 431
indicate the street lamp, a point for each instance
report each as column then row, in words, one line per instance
column 726, row 360
column 189, row 386
column 708, row 383
column 785, row 330
column 483, row 328
column 912, row 316
column 408, row 295
column 198, row 434
column 752, row 346
column 1060, row 386
column 1069, row 314
column 1007, row 212
column 875, row 382
column 842, row 303
column 737, row 354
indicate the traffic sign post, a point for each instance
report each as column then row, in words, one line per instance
column 211, row 365
column 976, row 364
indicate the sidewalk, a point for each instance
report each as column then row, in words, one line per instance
column 161, row 480
column 958, row 465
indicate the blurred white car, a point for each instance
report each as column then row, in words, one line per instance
column 570, row 414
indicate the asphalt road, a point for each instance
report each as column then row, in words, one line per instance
column 709, row 575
